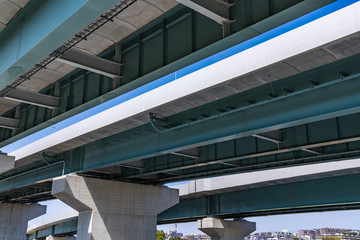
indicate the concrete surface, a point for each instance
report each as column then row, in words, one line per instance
column 219, row 229
column 7, row 162
column 114, row 210
column 9, row 9
column 14, row 219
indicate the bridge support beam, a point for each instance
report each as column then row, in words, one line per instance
column 60, row 238
column 114, row 210
column 219, row 229
column 14, row 219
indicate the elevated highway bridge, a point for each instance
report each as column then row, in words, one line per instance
column 152, row 92
column 303, row 189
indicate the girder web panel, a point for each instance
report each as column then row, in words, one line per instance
column 269, row 200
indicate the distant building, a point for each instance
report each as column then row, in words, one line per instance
column 319, row 234
column 333, row 231
column 261, row 236
column 169, row 234
column 197, row 237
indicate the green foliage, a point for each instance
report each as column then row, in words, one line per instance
column 331, row 238
column 175, row 238
column 160, row 235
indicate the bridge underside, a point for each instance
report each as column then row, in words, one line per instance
column 272, row 138
column 296, row 111
column 326, row 194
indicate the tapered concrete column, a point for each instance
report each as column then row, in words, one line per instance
column 14, row 219
column 114, row 210
column 60, row 238
column 219, row 229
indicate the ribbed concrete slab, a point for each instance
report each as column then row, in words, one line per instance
column 6, row 105
column 343, row 49
column 140, row 13
column 9, row 9
column 319, row 58
column 116, row 30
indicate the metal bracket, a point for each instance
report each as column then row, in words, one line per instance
column 33, row 98
column 91, row 63
column 9, row 123
column 217, row 10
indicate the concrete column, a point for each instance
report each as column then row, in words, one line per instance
column 60, row 238
column 219, row 229
column 14, row 219
column 114, row 210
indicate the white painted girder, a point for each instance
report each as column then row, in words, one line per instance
column 240, row 181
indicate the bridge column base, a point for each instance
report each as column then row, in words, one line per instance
column 219, row 229
column 60, row 238
column 114, row 210
column 14, row 219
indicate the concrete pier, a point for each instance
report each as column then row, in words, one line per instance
column 14, row 219
column 60, row 238
column 114, row 210
column 219, row 229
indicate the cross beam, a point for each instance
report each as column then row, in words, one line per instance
column 217, row 10
column 91, row 63
column 33, row 98
column 9, row 123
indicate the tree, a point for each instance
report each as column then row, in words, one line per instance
column 160, row 235
column 330, row 238
column 175, row 238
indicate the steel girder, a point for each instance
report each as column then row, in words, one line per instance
column 333, row 100
column 333, row 193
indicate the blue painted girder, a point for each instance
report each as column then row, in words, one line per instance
column 47, row 26
column 325, row 193
column 320, row 103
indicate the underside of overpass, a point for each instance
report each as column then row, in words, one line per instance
column 293, row 110
column 335, row 193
